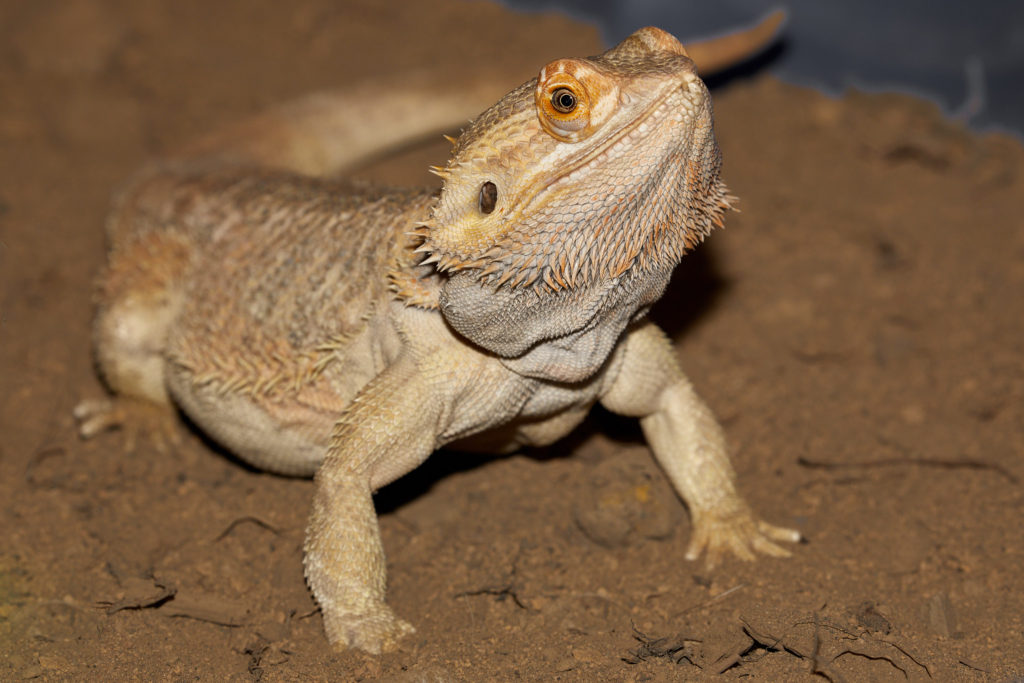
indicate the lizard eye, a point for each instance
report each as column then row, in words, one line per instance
column 574, row 99
column 563, row 107
column 564, row 100
column 488, row 197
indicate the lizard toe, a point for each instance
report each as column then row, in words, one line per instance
column 374, row 632
column 136, row 418
column 738, row 534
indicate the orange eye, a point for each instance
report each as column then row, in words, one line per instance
column 563, row 106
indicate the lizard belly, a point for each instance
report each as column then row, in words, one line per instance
column 554, row 410
column 275, row 417
column 286, row 439
column 546, row 412
column 517, row 434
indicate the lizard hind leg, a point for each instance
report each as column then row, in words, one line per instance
column 140, row 295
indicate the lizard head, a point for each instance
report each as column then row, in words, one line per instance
column 583, row 183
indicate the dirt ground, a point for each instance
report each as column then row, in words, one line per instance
column 857, row 328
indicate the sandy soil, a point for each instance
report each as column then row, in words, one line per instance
column 858, row 329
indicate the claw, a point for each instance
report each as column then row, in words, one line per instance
column 737, row 533
column 375, row 632
column 135, row 417
column 95, row 416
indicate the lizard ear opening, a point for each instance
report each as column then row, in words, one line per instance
column 488, row 197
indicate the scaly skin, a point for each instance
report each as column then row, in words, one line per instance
column 321, row 327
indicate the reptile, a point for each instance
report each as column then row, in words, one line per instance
column 321, row 326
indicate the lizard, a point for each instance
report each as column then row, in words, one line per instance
column 321, row 327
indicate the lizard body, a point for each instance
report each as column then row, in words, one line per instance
column 315, row 325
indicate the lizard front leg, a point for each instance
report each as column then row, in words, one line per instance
column 690, row 446
column 388, row 430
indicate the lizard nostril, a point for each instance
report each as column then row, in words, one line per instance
column 488, row 197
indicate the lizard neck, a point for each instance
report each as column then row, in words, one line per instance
column 561, row 336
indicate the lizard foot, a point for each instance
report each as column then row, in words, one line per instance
column 135, row 417
column 736, row 532
column 375, row 632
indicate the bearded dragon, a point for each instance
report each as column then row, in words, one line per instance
column 316, row 326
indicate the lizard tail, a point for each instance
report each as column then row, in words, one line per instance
column 715, row 54
column 335, row 131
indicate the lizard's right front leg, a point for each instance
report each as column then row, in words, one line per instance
column 389, row 429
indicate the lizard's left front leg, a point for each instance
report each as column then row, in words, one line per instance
column 690, row 447
column 388, row 430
